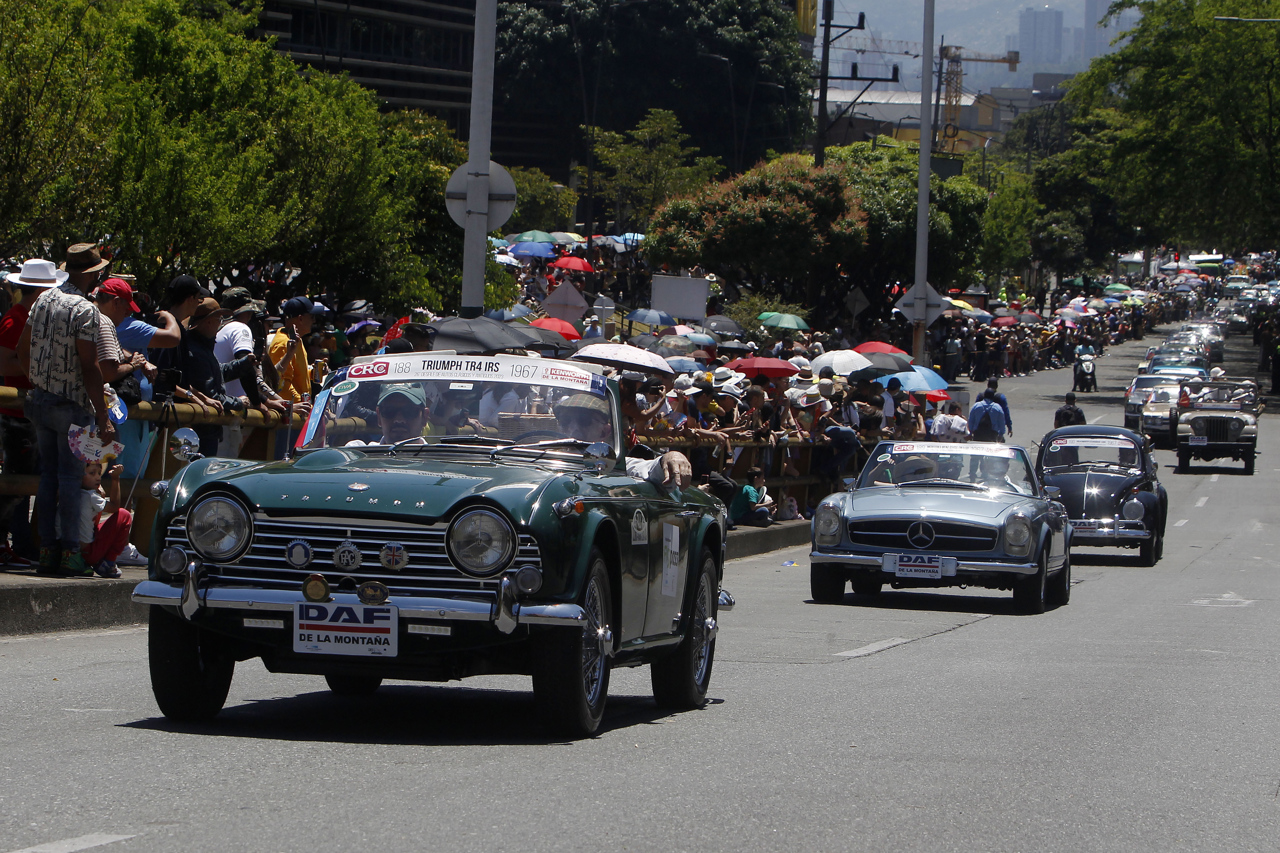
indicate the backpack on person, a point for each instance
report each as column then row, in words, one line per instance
column 984, row 431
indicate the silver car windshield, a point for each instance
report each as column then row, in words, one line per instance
column 925, row 464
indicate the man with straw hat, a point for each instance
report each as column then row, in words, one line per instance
column 59, row 351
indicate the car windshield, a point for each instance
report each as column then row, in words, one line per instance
column 439, row 398
column 925, row 464
column 1092, row 451
column 1220, row 395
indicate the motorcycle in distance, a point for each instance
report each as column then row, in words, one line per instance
column 1085, row 380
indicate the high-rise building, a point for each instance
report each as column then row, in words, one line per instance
column 411, row 53
column 1040, row 35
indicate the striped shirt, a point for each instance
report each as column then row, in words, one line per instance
column 60, row 317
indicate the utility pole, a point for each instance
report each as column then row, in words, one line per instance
column 920, row 292
column 824, row 74
column 475, row 242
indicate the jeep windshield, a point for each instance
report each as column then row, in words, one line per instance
column 420, row 401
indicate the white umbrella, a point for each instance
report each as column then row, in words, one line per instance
column 842, row 361
column 623, row 357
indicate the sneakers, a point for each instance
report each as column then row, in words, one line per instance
column 50, row 561
column 130, row 556
column 107, row 569
column 73, row 565
column 10, row 557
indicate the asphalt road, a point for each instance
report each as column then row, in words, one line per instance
column 1139, row 717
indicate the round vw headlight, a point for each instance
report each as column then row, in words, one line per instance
column 219, row 529
column 481, row 542
column 826, row 522
column 1133, row 509
column 1017, row 532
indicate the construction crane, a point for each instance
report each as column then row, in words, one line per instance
column 951, row 57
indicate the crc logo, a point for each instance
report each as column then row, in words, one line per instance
column 325, row 615
column 369, row 370
column 920, row 534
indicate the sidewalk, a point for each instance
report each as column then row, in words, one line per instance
column 30, row 604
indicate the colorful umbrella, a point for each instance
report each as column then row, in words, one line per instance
column 937, row 396
column 702, row 339
column 879, row 346
column 961, row 304
column 1005, row 321
column 785, row 321
column 722, row 324
column 557, row 325
column 1030, row 317
column 651, row 316
column 623, row 357
column 684, row 364
column 842, row 361
column 889, row 361
column 678, row 343
column 920, row 379
column 515, row 312
column 534, row 237
column 574, row 263
column 532, row 250
column 759, row 366
column 567, row 237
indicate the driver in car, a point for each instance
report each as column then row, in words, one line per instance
column 993, row 472
column 402, row 414
column 586, row 417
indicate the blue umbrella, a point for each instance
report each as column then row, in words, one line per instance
column 1182, row 288
column 980, row 316
column 651, row 316
column 1112, row 300
column 919, row 379
column 532, row 250
column 631, row 238
column 684, row 364
column 700, row 338
column 498, row 242
column 503, row 315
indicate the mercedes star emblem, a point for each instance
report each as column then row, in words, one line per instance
column 920, row 534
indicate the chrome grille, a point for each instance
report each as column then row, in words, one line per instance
column 429, row 570
column 891, row 535
column 1217, row 429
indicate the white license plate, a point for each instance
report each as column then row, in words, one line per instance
column 364, row 630
column 1199, row 439
column 920, row 565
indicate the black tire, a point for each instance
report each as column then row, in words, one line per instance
column 190, row 676
column 866, row 585
column 571, row 671
column 1249, row 463
column 1060, row 585
column 1030, row 594
column 1184, row 461
column 353, row 685
column 1150, row 551
column 827, row 583
column 680, row 680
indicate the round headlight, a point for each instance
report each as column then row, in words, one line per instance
column 173, row 560
column 1017, row 531
column 1133, row 509
column 219, row 529
column 481, row 542
column 826, row 521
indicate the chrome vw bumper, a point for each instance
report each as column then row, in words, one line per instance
column 504, row 611
column 876, row 560
column 1108, row 530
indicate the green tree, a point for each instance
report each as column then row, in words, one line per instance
column 1007, row 226
column 644, row 167
column 746, row 313
column 541, row 203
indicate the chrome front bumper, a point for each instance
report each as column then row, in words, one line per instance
column 877, row 561
column 503, row 611
column 1109, row 530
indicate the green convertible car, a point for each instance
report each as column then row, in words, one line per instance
column 443, row 516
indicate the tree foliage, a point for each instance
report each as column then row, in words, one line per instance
column 541, row 203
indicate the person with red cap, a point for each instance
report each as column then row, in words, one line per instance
column 114, row 298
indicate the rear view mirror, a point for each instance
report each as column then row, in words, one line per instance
column 1053, row 493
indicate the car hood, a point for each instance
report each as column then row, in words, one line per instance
column 1092, row 494
column 933, row 501
column 343, row 480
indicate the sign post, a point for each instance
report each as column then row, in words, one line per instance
column 919, row 293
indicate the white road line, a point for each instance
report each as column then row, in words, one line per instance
column 1214, row 478
column 1202, row 501
column 71, row 845
column 1098, row 418
column 873, row 648
column 1180, row 522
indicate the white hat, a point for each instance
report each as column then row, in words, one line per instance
column 683, row 382
column 809, row 397
column 725, row 375
column 593, row 319
column 799, row 361
column 1217, row 373
column 38, row 273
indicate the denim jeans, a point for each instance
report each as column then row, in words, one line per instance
column 58, row 497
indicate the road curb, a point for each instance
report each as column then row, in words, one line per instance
column 35, row 605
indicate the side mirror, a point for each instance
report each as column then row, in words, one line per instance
column 1053, row 493
column 600, row 454
column 184, row 444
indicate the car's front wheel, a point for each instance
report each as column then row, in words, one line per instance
column 1030, row 592
column 571, row 671
column 867, row 584
column 1184, row 461
column 827, row 583
column 190, row 675
column 1060, row 586
column 1151, row 550
column 680, row 680
column 1249, row 463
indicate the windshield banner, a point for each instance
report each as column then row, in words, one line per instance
column 414, row 367
column 1092, row 441
column 953, row 449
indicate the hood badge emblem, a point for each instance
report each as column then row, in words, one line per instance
column 298, row 553
column 920, row 534
column 347, row 555
column 393, row 556
column 358, row 487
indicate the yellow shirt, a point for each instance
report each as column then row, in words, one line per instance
column 295, row 375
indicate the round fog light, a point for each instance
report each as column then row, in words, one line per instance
column 173, row 560
column 528, row 580
column 315, row 588
column 1133, row 509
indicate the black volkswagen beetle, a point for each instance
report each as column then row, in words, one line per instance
column 1109, row 486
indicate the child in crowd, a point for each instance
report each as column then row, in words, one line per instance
column 102, row 539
